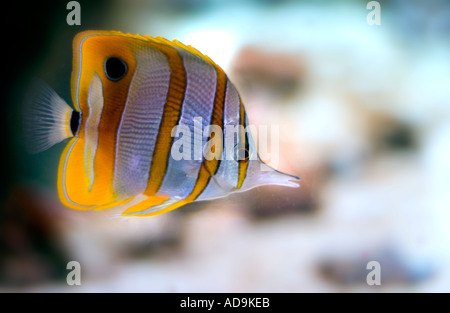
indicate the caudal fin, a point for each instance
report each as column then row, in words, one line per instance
column 46, row 118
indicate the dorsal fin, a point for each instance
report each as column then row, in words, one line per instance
column 190, row 49
column 156, row 40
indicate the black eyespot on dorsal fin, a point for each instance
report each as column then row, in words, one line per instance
column 75, row 118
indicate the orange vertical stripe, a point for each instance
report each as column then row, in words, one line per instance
column 217, row 118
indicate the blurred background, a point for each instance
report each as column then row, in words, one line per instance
column 364, row 117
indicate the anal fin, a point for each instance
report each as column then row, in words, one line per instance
column 144, row 204
column 154, row 206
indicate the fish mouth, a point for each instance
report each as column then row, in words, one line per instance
column 276, row 177
column 287, row 180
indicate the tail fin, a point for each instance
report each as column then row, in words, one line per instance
column 46, row 118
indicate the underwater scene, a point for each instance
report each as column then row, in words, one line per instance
column 272, row 146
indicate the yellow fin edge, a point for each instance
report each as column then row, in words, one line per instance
column 158, row 40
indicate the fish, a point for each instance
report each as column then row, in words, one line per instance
column 137, row 103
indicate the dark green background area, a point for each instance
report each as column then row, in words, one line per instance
column 29, row 29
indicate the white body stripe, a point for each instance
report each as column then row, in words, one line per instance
column 80, row 56
column 201, row 79
column 95, row 104
column 139, row 125
column 226, row 178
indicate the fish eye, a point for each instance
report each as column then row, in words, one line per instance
column 242, row 154
column 115, row 68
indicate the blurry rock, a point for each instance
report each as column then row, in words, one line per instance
column 30, row 243
column 270, row 202
column 39, row 236
column 383, row 134
column 394, row 268
column 275, row 201
column 387, row 133
column 275, row 74
column 103, row 241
